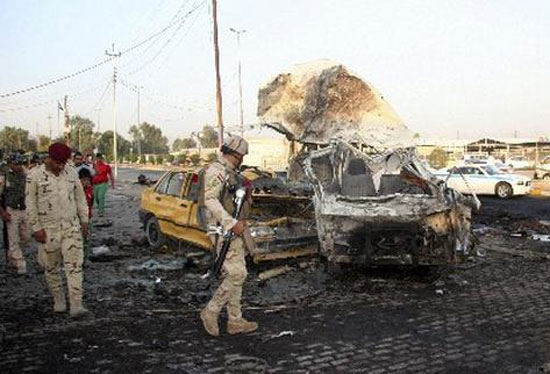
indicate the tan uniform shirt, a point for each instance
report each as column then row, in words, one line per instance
column 55, row 202
column 214, row 180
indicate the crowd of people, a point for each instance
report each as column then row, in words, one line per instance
column 52, row 197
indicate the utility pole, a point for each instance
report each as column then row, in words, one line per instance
column 238, row 33
column 98, row 110
column 67, row 122
column 50, row 126
column 58, row 109
column 115, row 153
column 138, row 121
column 218, row 79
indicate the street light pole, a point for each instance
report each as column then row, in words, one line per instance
column 115, row 148
column 218, row 78
column 238, row 33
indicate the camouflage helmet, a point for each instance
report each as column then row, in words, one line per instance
column 236, row 144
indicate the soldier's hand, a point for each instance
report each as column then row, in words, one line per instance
column 40, row 236
column 85, row 231
column 239, row 227
column 6, row 216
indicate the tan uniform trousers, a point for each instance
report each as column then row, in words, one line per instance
column 229, row 292
column 18, row 234
column 63, row 245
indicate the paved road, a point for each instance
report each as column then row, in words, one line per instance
column 529, row 206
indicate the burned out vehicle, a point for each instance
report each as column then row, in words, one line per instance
column 380, row 208
column 281, row 223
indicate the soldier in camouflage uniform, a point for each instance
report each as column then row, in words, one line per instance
column 58, row 216
column 12, row 192
column 221, row 180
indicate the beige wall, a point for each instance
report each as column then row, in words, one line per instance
column 267, row 153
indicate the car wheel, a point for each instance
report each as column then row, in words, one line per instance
column 504, row 190
column 155, row 237
column 546, row 177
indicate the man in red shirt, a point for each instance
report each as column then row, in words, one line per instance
column 102, row 176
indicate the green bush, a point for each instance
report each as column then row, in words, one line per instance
column 152, row 159
column 133, row 158
column 181, row 158
column 438, row 158
column 160, row 159
column 195, row 159
column 142, row 160
column 211, row 157
column 170, row 158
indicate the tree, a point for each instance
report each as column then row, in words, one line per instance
column 152, row 159
column 209, row 137
column 13, row 139
column 195, row 159
column 169, row 158
column 211, row 157
column 83, row 137
column 43, row 143
column 438, row 158
column 105, row 145
column 132, row 158
column 159, row 159
column 181, row 158
column 184, row 143
column 148, row 138
column 142, row 160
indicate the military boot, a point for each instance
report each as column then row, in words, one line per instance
column 241, row 326
column 210, row 322
column 77, row 309
column 59, row 302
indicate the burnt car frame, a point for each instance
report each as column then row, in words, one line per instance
column 381, row 208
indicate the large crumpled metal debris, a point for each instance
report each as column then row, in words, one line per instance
column 322, row 100
column 386, row 208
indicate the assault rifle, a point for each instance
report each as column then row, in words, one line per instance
column 216, row 266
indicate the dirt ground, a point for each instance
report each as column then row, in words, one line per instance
column 489, row 315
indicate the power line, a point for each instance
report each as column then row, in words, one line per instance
column 172, row 23
column 170, row 39
column 58, row 79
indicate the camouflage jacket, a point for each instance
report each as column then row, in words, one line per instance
column 55, row 202
column 220, row 183
column 12, row 189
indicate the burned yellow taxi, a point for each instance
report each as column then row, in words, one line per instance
column 281, row 223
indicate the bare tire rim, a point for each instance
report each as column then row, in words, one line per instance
column 503, row 190
column 152, row 232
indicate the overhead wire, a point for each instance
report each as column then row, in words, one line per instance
column 172, row 23
column 170, row 39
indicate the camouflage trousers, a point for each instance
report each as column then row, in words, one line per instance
column 18, row 234
column 63, row 246
column 229, row 292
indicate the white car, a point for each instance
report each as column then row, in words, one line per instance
column 518, row 162
column 485, row 180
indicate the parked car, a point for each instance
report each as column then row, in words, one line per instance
column 485, row 180
column 518, row 162
column 542, row 170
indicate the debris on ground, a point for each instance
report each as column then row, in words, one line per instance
column 275, row 272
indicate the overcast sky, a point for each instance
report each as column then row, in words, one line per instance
column 472, row 66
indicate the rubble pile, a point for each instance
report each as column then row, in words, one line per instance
column 322, row 100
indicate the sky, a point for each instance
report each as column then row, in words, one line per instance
column 462, row 68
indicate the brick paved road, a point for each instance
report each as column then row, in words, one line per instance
column 491, row 318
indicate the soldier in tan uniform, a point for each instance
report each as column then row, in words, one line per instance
column 221, row 180
column 58, row 216
column 12, row 192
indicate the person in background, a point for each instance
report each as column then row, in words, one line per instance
column 12, row 193
column 86, row 179
column 80, row 163
column 103, row 175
